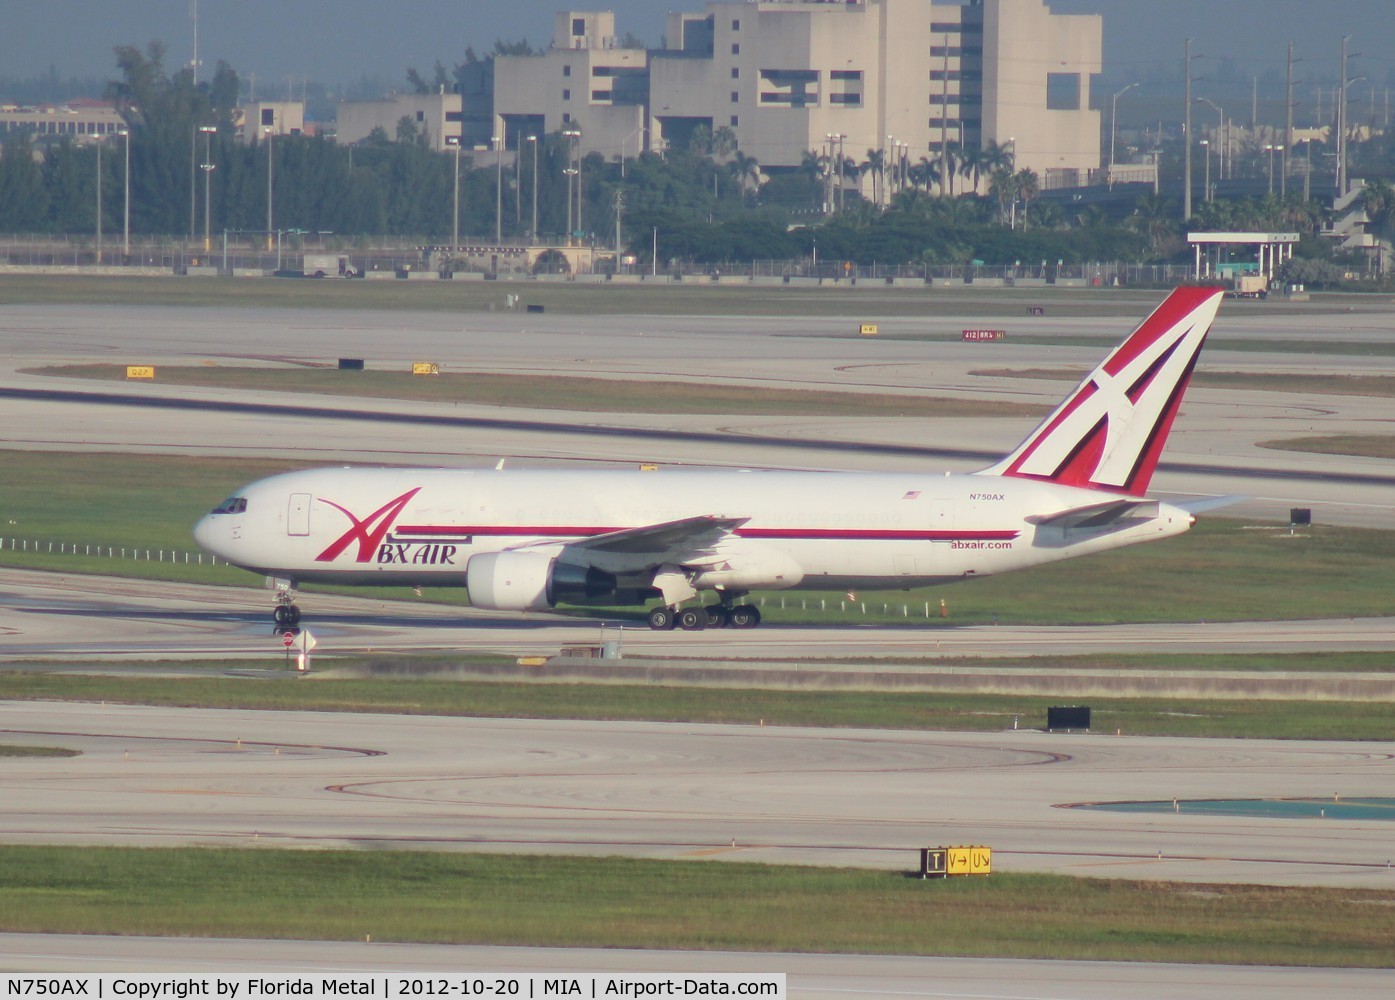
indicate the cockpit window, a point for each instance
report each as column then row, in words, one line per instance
column 232, row 505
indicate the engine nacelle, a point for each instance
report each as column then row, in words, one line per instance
column 527, row 581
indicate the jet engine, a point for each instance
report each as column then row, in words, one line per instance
column 527, row 581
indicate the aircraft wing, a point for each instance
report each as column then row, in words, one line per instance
column 1096, row 515
column 633, row 549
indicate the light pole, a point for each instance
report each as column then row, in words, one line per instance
column 887, row 152
column 571, row 135
column 1187, row 134
column 126, row 211
column 207, row 131
column 454, row 140
column 498, row 141
column 1220, row 128
column 534, row 140
column 1271, row 148
column 101, row 139
column 193, row 172
column 828, row 176
column 1206, row 152
column 1342, row 137
column 268, row 132
column 841, row 138
column 1113, row 122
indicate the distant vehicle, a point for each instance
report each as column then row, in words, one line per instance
column 1249, row 286
column 529, row 539
column 322, row 265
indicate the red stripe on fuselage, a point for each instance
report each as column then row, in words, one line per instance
column 574, row 531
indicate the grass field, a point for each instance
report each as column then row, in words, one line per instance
column 555, row 392
column 623, row 903
column 1360, row 445
column 15, row 751
column 737, row 706
column 868, row 302
column 1221, row 570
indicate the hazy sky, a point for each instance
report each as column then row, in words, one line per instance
column 342, row 40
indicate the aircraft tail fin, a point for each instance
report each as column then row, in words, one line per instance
column 1109, row 432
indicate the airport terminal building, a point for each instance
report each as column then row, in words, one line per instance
column 909, row 78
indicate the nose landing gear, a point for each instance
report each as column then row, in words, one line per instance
column 286, row 615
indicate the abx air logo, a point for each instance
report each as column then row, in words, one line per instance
column 368, row 532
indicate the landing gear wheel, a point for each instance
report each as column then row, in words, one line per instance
column 692, row 619
column 745, row 616
column 661, row 619
column 286, row 616
column 718, row 616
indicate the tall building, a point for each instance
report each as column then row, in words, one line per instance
column 436, row 116
column 585, row 81
column 909, row 78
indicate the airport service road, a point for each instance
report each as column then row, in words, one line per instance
column 809, row 977
column 53, row 616
column 1214, row 448
column 865, row 798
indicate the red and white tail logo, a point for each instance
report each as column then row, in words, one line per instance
column 1109, row 433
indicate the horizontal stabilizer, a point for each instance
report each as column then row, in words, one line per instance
column 1096, row 515
column 1201, row 505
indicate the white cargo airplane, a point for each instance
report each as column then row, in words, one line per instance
column 522, row 540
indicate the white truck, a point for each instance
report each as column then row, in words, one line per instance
column 323, row 265
column 1249, row 286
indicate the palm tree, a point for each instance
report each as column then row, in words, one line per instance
column 974, row 165
column 996, row 155
column 1379, row 201
column 876, row 164
column 912, row 201
column 849, row 171
column 1002, row 185
column 1155, row 217
column 951, row 156
column 723, row 141
column 745, row 169
column 925, row 174
column 1028, row 187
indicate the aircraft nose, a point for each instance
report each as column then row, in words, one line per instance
column 206, row 534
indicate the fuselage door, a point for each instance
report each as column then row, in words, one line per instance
column 298, row 514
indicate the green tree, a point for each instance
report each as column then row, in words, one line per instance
column 162, row 113
column 23, row 199
column 69, row 178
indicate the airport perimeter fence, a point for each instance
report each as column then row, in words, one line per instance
column 160, row 254
column 47, row 547
column 179, row 557
column 402, row 256
column 1098, row 274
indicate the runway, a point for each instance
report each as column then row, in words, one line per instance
column 79, row 618
column 865, row 977
column 865, row 798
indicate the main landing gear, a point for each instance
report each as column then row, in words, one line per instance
column 663, row 618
